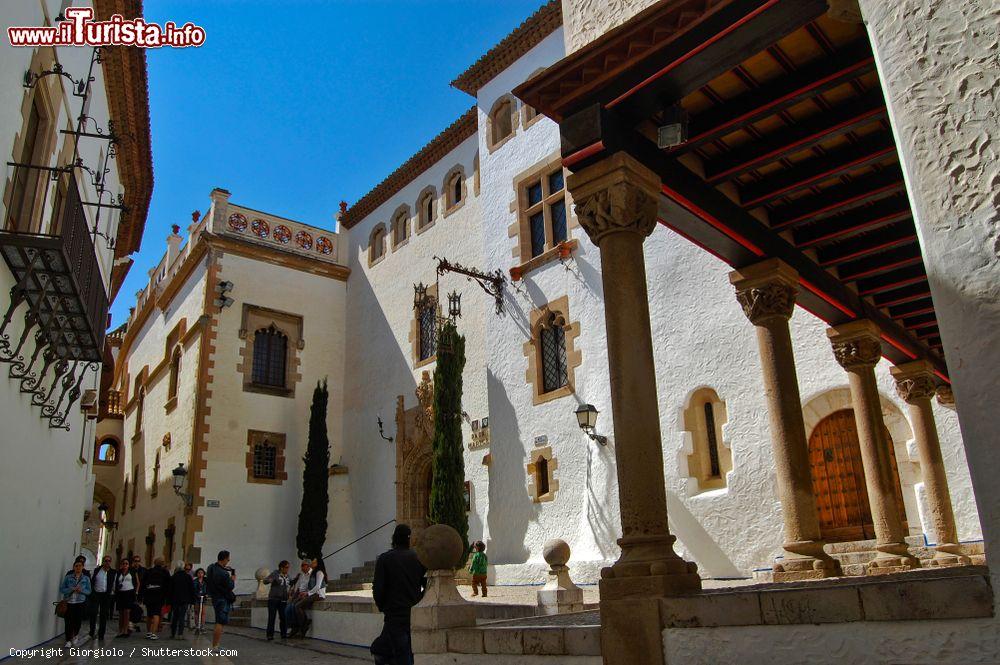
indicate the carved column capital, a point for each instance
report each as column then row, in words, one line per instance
column 617, row 194
column 914, row 381
column 766, row 290
column 856, row 344
column 946, row 397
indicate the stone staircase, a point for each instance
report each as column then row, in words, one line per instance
column 854, row 556
column 359, row 579
column 239, row 615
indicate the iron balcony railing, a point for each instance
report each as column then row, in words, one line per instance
column 112, row 405
column 46, row 243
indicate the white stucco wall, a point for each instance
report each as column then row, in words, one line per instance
column 45, row 483
column 939, row 65
column 586, row 20
column 380, row 363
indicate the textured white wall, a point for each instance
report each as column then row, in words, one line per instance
column 379, row 362
column 939, row 66
column 45, row 484
column 586, row 20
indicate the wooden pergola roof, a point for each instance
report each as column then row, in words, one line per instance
column 789, row 151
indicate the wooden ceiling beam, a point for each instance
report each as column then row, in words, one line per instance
column 897, row 278
column 843, row 226
column 838, row 198
column 902, row 295
column 901, row 257
column 787, row 141
column 865, row 244
column 814, row 79
column 815, row 170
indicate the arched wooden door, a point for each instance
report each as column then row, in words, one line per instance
column 838, row 479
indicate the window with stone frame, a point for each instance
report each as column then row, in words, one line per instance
column 376, row 245
column 425, row 209
column 542, row 227
column 155, row 488
column 140, row 403
column 107, row 451
column 265, row 457
column 529, row 115
column 709, row 458
column 270, row 357
column 400, row 227
column 270, row 354
column 551, row 352
column 174, row 377
column 502, row 122
column 542, row 483
column 454, row 189
column 423, row 329
column 37, row 139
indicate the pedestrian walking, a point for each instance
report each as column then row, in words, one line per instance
column 153, row 588
column 74, row 590
column 125, row 587
column 399, row 585
column 102, row 584
column 200, row 593
column 277, row 599
column 221, row 581
column 181, row 596
column 315, row 590
column 478, row 568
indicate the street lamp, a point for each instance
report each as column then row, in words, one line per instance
column 586, row 417
column 179, row 474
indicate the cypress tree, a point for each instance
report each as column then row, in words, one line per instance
column 315, row 480
column 448, row 482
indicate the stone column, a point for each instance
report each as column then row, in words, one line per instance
column 915, row 384
column 766, row 291
column 616, row 203
column 857, row 346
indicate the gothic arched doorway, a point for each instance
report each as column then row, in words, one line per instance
column 414, row 467
column 838, row 479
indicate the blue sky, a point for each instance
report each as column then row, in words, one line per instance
column 293, row 105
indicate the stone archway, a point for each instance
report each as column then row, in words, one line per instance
column 414, row 437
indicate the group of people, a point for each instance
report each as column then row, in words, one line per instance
column 127, row 588
column 288, row 599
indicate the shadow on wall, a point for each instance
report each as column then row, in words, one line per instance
column 510, row 508
column 703, row 548
column 602, row 523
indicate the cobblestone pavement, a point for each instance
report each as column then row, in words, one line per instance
column 240, row 646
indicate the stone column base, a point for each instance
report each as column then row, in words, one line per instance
column 560, row 601
column 649, row 586
column 892, row 558
column 947, row 555
column 442, row 606
column 805, row 560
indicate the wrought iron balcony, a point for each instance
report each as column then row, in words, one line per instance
column 58, row 282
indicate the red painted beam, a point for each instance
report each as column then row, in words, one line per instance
column 827, row 205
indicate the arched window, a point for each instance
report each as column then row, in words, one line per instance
column 175, row 370
column 107, row 451
column 552, row 352
column 528, row 113
column 400, row 228
column 265, row 455
column 501, row 122
column 710, row 458
column 156, row 476
column 425, row 209
column 376, row 244
column 454, row 188
column 270, row 352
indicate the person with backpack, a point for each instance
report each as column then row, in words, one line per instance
column 180, row 593
column 221, row 582
column 153, row 589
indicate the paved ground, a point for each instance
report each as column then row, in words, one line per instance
column 240, row 645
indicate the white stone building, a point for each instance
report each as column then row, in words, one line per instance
column 475, row 195
column 49, row 217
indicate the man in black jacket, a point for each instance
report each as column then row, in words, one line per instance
column 180, row 594
column 102, row 583
column 221, row 581
column 398, row 586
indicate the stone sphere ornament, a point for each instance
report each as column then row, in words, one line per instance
column 439, row 547
column 261, row 574
column 556, row 552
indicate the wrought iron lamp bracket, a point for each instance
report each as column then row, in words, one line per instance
column 490, row 282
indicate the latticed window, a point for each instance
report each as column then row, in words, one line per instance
column 270, row 353
column 427, row 330
column 552, row 339
column 544, row 200
column 265, row 457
